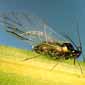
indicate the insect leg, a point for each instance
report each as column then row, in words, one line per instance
column 74, row 60
column 31, row 57
column 53, row 66
column 80, row 66
column 57, row 63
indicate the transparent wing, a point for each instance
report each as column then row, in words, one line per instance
column 29, row 28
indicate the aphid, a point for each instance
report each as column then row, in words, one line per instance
column 41, row 36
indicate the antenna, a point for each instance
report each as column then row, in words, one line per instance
column 80, row 44
column 77, row 28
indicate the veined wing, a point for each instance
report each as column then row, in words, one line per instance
column 29, row 28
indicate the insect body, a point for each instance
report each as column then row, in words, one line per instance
column 57, row 50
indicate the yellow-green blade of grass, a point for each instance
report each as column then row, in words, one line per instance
column 15, row 71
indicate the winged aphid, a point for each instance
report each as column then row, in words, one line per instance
column 41, row 36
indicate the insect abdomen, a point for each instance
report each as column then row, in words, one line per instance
column 52, row 49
